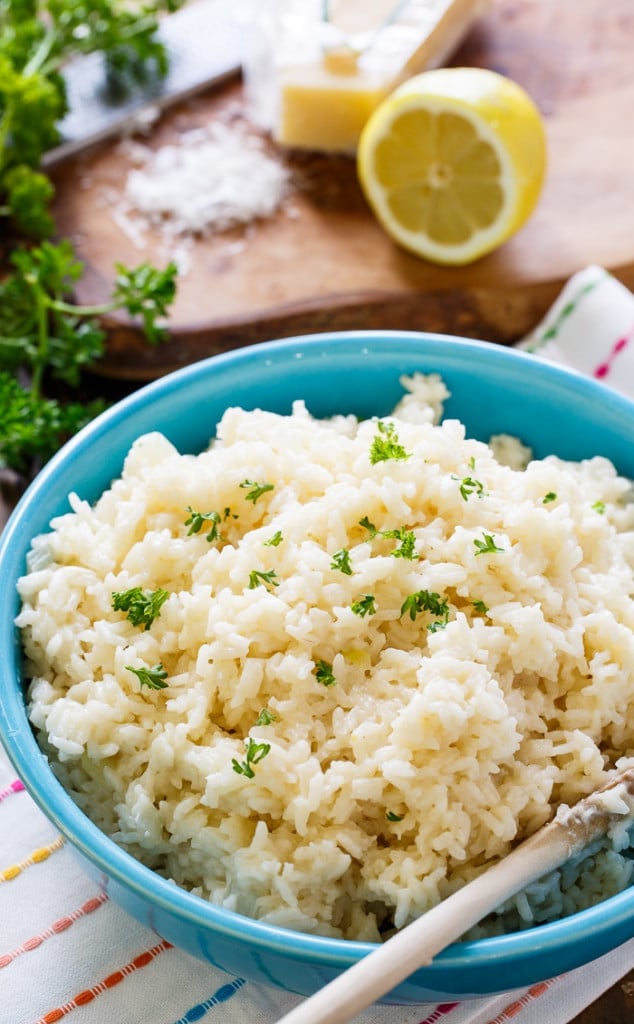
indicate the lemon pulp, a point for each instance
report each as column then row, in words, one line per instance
column 453, row 162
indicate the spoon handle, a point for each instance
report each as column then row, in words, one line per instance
column 415, row 946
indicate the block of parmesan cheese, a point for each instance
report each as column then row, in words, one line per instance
column 367, row 48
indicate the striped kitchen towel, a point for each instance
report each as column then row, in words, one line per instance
column 590, row 328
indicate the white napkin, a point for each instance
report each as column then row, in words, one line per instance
column 68, row 954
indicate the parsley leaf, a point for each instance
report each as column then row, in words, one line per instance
column 154, row 678
column 391, row 816
column 341, row 560
column 427, row 601
column 256, row 490
column 386, row 445
column 486, row 546
column 266, row 717
column 406, row 548
column 145, row 292
column 551, row 496
column 367, row 525
column 468, row 486
column 142, row 606
column 37, row 38
column 323, row 672
column 274, row 541
column 406, row 538
column 366, row 605
column 255, row 752
column 33, row 427
column 196, row 520
column 43, row 336
column 262, row 579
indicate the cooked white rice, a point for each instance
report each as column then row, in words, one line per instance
column 404, row 748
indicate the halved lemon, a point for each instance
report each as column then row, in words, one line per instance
column 453, row 162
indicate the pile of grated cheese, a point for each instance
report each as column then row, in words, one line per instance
column 215, row 178
column 211, row 180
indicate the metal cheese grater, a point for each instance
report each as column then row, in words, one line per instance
column 203, row 42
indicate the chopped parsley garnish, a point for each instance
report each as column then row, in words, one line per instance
column 480, row 606
column 154, row 678
column 551, row 496
column 263, row 579
column 427, row 601
column 367, row 525
column 468, row 486
column 256, row 490
column 266, row 717
column 274, row 541
column 341, row 560
column 254, row 753
column 486, row 546
column 391, row 816
column 366, row 605
column 407, row 542
column 196, row 521
column 142, row 607
column 323, row 672
column 386, row 445
column 599, row 506
column 406, row 538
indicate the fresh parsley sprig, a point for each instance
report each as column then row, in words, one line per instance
column 341, row 561
column 32, row 426
column 254, row 753
column 487, row 546
column 196, row 521
column 275, row 540
column 44, row 336
column 266, row 717
column 468, row 486
column 154, row 678
column 37, row 38
column 255, row 490
column 365, row 605
column 142, row 607
column 407, row 542
column 386, row 445
column 324, row 673
column 260, row 578
column 407, row 538
column 427, row 601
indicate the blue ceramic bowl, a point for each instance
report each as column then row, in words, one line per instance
column 493, row 390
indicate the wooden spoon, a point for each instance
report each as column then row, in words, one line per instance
column 570, row 831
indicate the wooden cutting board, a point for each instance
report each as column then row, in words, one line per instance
column 323, row 263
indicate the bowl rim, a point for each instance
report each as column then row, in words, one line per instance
column 113, row 861
column 120, row 866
